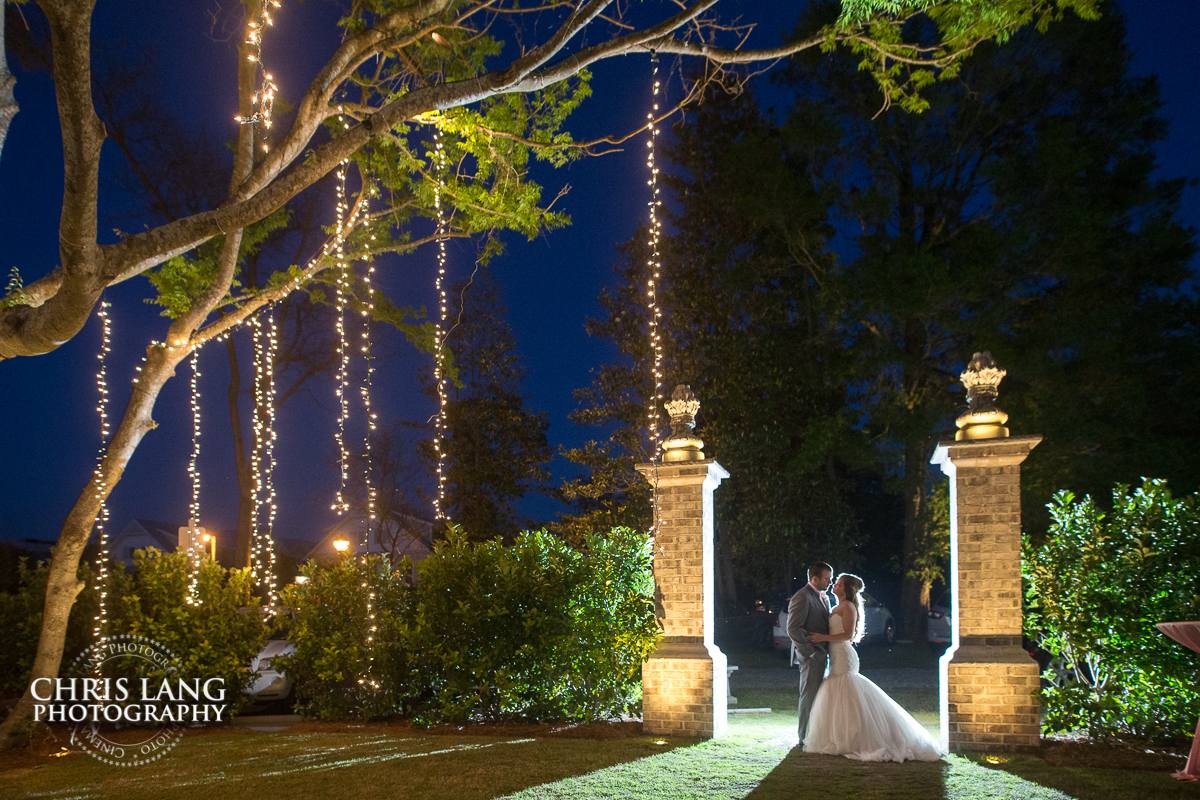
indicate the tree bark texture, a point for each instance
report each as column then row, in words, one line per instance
column 8, row 82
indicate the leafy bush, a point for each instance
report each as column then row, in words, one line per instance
column 338, row 672
column 21, row 623
column 1098, row 584
column 216, row 638
column 536, row 630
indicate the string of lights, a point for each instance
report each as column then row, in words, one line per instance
column 368, row 307
column 101, row 618
column 341, row 504
column 263, row 101
column 262, row 462
column 440, row 428
column 194, row 474
column 654, row 311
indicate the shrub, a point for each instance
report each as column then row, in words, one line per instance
column 21, row 623
column 536, row 630
column 341, row 668
column 216, row 638
column 1098, row 584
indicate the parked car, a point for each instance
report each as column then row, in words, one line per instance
column 937, row 629
column 269, row 683
column 880, row 625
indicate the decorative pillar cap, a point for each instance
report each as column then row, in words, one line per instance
column 682, row 444
column 983, row 420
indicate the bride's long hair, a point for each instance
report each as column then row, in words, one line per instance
column 852, row 585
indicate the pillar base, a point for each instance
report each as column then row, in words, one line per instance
column 685, row 689
column 989, row 699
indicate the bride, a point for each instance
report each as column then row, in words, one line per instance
column 852, row 716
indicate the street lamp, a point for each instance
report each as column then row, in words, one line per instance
column 212, row 545
column 341, row 545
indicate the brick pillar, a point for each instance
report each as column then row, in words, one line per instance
column 684, row 688
column 989, row 683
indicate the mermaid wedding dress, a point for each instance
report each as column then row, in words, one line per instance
column 853, row 717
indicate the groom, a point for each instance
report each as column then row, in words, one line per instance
column 808, row 612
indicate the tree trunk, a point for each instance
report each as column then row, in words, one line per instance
column 245, row 529
column 8, row 81
column 63, row 585
column 914, row 592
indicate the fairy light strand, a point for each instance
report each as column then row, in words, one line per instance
column 263, row 458
column 194, row 474
column 341, row 505
column 654, row 265
column 368, row 308
column 440, row 325
column 263, row 101
column 101, row 618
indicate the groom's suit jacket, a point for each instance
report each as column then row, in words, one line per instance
column 807, row 614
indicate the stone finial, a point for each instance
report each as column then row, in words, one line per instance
column 983, row 420
column 682, row 444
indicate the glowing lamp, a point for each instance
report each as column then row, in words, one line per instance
column 211, row 541
column 341, row 545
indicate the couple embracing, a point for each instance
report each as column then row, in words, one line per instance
column 841, row 712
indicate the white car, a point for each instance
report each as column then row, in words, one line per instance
column 269, row 683
column 881, row 626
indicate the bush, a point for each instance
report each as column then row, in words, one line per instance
column 339, row 674
column 536, row 630
column 1098, row 584
column 216, row 638
column 21, row 623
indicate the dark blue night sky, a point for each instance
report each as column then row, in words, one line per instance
column 49, row 432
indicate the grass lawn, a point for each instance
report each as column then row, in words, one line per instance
column 757, row 759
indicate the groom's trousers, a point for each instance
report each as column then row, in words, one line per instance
column 812, row 672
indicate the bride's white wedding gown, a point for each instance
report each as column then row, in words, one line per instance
column 853, row 717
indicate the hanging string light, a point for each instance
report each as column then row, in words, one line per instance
column 368, row 308
column 341, row 504
column 101, row 618
column 263, row 101
column 262, row 461
column 194, row 474
column 654, row 269
column 440, row 325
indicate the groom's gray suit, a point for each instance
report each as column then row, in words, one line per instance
column 808, row 612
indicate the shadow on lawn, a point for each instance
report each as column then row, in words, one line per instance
column 805, row 775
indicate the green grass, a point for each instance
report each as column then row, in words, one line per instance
column 757, row 759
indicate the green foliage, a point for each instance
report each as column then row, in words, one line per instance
column 216, row 638
column 887, row 44
column 21, row 623
column 338, row 674
column 536, row 630
column 932, row 554
column 182, row 279
column 14, row 293
column 1098, row 584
